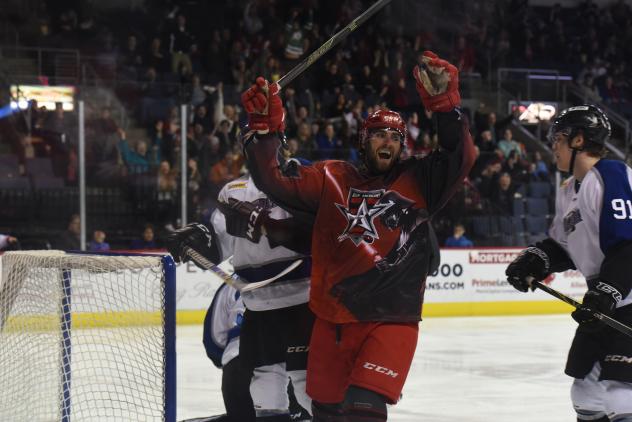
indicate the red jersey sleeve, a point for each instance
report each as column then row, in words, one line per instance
column 294, row 187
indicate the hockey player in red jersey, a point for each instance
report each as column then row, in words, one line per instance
column 373, row 244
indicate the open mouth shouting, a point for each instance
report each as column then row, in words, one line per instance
column 384, row 153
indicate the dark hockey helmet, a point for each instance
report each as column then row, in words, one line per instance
column 588, row 119
column 382, row 119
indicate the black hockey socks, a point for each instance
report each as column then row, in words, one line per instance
column 362, row 405
column 325, row 412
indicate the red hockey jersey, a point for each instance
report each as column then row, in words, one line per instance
column 372, row 245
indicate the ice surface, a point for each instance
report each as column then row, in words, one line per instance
column 479, row 369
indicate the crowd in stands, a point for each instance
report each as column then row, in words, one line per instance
column 205, row 56
column 591, row 42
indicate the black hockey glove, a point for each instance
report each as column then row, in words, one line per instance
column 243, row 219
column 197, row 237
column 531, row 263
column 602, row 298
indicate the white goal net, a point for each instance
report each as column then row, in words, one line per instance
column 86, row 337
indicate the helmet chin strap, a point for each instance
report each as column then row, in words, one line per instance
column 571, row 166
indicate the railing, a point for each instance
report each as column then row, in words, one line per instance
column 61, row 63
column 525, row 85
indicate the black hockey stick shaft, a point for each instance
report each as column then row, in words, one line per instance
column 622, row 328
column 339, row 36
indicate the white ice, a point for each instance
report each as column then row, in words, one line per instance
column 478, row 369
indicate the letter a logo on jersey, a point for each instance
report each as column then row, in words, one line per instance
column 362, row 208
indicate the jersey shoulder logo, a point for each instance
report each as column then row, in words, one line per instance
column 361, row 210
column 238, row 185
column 571, row 220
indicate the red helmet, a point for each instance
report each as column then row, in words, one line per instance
column 383, row 119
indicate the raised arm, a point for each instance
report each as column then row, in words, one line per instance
column 293, row 187
column 442, row 172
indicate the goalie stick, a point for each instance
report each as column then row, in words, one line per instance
column 331, row 42
column 233, row 279
column 613, row 323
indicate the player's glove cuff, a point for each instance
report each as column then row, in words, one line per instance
column 531, row 264
column 603, row 298
column 609, row 290
column 542, row 255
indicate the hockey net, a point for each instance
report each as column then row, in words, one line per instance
column 86, row 337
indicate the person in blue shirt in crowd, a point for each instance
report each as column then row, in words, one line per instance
column 458, row 239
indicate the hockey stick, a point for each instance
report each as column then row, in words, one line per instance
column 233, row 279
column 338, row 36
column 622, row 328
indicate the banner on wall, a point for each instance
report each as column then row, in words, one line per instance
column 478, row 275
column 465, row 275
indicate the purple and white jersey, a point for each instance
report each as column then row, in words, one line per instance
column 596, row 218
column 258, row 261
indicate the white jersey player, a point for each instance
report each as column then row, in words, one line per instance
column 263, row 240
column 592, row 232
column 222, row 326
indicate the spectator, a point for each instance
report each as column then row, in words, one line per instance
column 7, row 241
column 130, row 60
column 70, row 240
column 252, row 22
column 147, row 240
column 194, row 178
column 98, row 243
column 412, row 125
column 540, row 169
column 296, row 43
column 306, row 142
column 489, row 177
column 507, row 145
column 464, row 57
column 514, row 166
column 490, row 122
column 156, row 58
column 399, row 94
column 486, row 142
column 293, row 147
column 166, row 198
column 198, row 93
column 202, row 118
column 328, row 143
column 139, row 160
column 503, row 194
column 210, row 153
column 423, row 146
column 167, row 181
column 458, row 239
column 103, row 145
column 180, row 42
column 226, row 170
column 150, row 87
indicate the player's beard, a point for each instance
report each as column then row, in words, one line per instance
column 376, row 164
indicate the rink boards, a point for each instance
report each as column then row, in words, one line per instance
column 469, row 282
